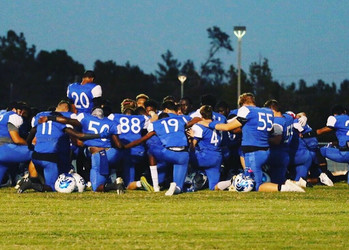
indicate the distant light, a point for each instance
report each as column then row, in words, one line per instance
column 182, row 78
column 239, row 31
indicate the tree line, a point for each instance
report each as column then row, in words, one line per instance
column 41, row 79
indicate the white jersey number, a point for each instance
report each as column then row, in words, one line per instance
column 265, row 119
column 93, row 127
column 125, row 125
column 170, row 123
column 82, row 99
column 214, row 138
column 47, row 124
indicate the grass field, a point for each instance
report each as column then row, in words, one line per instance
column 317, row 219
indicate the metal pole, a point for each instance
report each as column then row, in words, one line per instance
column 182, row 79
column 239, row 32
column 239, row 68
column 182, row 89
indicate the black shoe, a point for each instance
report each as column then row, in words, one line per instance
column 120, row 188
column 309, row 185
column 26, row 184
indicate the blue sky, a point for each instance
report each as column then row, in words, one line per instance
column 301, row 39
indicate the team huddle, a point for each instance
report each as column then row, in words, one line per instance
column 172, row 147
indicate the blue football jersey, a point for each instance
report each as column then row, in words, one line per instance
column 340, row 123
column 9, row 117
column 171, row 131
column 285, row 125
column 94, row 125
column 208, row 139
column 49, row 135
column 255, row 132
column 131, row 127
column 82, row 95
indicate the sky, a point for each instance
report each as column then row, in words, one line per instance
column 301, row 39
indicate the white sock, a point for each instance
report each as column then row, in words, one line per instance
column 222, row 185
column 138, row 184
column 154, row 175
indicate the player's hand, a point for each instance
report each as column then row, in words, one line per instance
column 42, row 119
column 302, row 120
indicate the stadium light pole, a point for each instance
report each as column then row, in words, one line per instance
column 182, row 79
column 239, row 31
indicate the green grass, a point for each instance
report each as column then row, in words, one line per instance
column 317, row 219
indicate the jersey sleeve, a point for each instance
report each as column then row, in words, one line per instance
column 15, row 120
column 96, row 91
column 111, row 117
column 146, row 122
column 243, row 112
column 197, row 131
column 331, row 121
column 80, row 116
column 150, row 127
column 68, row 92
column 277, row 129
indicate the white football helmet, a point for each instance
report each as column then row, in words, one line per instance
column 242, row 183
column 80, row 183
column 65, row 183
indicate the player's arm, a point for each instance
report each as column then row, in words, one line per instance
column 140, row 140
column 275, row 137
column 97, row 101
column 193, row 121
column 73, row 108
column 82, row 136
column 234, row 124
column 153, row 116
column 116, row 140
column 323, row 130
column 14, row 134
column 31, row 137
column 60, row 119
column 193, row 144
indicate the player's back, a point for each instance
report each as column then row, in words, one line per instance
column 130, row 126
column 94, row 125
column 208, row 139
column 49, row 135
column 286, row 124
column 341, row 126
column 259, row 123
column 82, row 95
column 171, row 131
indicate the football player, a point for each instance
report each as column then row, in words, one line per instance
column 206, row 151
column 339, row 123
column 13, row 148
column 86, row 94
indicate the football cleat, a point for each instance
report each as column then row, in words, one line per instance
column 303, row 183
column 324, row 179
column 25, row 184
column 20, row 181
column 145, row 184
column 120, row 188
column 172, row 189
column 292, row 187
